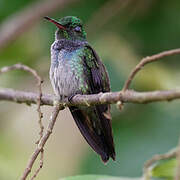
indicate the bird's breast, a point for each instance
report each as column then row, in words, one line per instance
column 66, row 72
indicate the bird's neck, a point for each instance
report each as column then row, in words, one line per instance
column 69, row 44
column 59, row 34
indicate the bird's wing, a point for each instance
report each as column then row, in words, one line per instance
column 97, row 76
column 95, row 122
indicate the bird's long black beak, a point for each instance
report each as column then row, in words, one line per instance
column 58, row 25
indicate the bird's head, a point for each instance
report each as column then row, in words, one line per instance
column 69, row 27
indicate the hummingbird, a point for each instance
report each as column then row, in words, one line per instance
column 77, row 69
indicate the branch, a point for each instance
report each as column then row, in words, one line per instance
column 15, row 25
column 39, row 82
column 147, row 60
column 129, row 96
column 41, row 165
column 42, row 142
column 24, row 97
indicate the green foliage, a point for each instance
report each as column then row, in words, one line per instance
column 165, row 169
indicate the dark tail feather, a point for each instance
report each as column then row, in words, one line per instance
column 95, row 126
column 103, row 112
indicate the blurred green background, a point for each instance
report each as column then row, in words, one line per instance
column 122, row 32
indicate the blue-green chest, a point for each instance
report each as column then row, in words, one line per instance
column 67, row 71
column 72, row 60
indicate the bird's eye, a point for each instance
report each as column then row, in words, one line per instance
column 77, row 29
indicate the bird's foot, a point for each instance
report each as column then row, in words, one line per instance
column 71, row 97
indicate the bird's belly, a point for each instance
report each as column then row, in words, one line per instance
column 64, row 80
